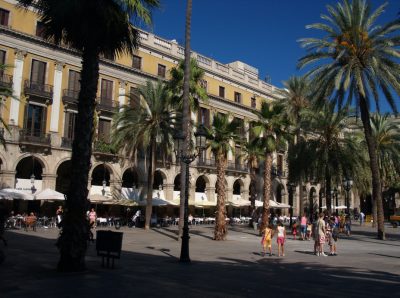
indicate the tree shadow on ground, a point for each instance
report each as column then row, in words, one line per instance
column 158, row 273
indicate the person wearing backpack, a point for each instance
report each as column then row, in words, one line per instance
column 334, row 237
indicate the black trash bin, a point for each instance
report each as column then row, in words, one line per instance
column 109, row 245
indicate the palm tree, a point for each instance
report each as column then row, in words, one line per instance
column 387, row 140
column 6, row 91
column 296, row 96
column 219, row 141
column 333, row 147
column 93, row 27
column 176, row 86
column 251, row 152
column 271, row 125
column 149, row 126
column 361, row 58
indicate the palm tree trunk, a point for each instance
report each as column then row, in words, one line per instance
column 328, row 192
column 185, row 113
column 267, row 188
column 376, row 184
column 75, row 230
column 252, row 188
column 150, row 180
column 301, row 199
column 221, row 230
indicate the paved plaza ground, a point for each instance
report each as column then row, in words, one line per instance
column 149, row 266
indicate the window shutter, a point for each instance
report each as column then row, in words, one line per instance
column 221, row 91
column 42, row 73
column 207, row 118
column 135, row 92
column 34, row 71
column 4, row 17
column 44, row 120
column 26, row 109
column 106, row 89
column 66, row 125
column 2, row 57
column 74, row 78
column 136, row 61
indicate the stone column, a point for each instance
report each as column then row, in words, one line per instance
column 49, row 181
column 228, row 194
column 8, row 178
column 245, row 195
column 17, row 85
column 55, row 107
column 211, row 193
column 168, row 191
column 115, row 189
column 142, row 190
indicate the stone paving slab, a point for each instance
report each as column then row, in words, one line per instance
column 149, row 266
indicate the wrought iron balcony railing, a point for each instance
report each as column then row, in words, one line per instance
column 66, row 142
column 38, row 89
column 70, row 96
column 206, row 163
column 35, row 137
column 6, row 80
column 106, row 104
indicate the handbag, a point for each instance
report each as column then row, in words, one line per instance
column 263, row 240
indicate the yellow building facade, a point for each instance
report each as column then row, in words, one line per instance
column 45, row 78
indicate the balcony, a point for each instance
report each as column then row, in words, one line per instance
column 6, row 80
column 70, row 96
column 34, row 139
column 105, row 104
column 102, row 149
column 236, row 167
column 206, row 163
column 66, row 142
column 38, row 89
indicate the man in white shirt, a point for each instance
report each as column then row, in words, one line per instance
column 362, row 215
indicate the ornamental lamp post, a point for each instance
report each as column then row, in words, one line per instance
column 179, row 138
column 33, row 175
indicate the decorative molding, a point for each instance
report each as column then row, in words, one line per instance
column 122, row 83
column 213, row 110
column 59, row 65
column 20, row 54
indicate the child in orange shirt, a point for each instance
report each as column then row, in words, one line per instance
column 294, row 230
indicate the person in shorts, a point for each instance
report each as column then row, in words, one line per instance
column 267, row 239
column 303, row 227
column 333, row 240
column 281, row 230
column 321, row 234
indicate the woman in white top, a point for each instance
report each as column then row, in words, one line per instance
column 281, row 238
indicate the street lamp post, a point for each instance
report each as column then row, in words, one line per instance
column 347, row 184
column 291, row 191
column 33, row 175
column 200, row 136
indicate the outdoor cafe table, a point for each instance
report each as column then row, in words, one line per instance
column 102, row 220
column 209, row 219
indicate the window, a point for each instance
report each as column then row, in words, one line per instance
column 253, row 102
column 161, row 70
column 280, row 163
column 4, row 15
column 136, row 62
column 40, row 29
column 134, row 95
column 74, row 83
column 2, row 61
column 105, row 129
column 35, row 120
column 203, row 116
column 238, row 151
column 204, row 84
column 221, row 91
column 38, row 74
column 69, row 125
column 106, row 89
column 238, row 97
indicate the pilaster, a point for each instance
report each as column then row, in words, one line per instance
column 55, row 107
column 17, row 85
column 8, row 178
column 49, row 181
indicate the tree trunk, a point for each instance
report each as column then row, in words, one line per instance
column 328, row 192
column 252, row 189
column 376, row 184
column 75, row 230
column 221, row 230
column 301, row 199
column 267, row 189
column 185, row 113
column 150, row 182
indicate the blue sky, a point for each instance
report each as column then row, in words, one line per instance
column 261, row 33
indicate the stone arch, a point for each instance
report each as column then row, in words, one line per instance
column 160, row 178
column 238, row 187
column 129, row 177
column 97, row 174
column 202, row 182
column 3, row 162
column 177, row 182
column 137, row 170
column 60, row 162
column 43, row 162
column 108, row 167
column 63, row 175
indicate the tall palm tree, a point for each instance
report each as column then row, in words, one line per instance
column 361, row 59
column 387, row 140
column 296, row 96
column 6, row 91
column 219, row 141
column 149, row 125
column 271, row 124
column 93, row 27
column 176, row 86
column 251, row 153
column 333, row 147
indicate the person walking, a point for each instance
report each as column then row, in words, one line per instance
column 281, row 230
column 303, row 227
column 3, row 216
column 361, row 218
column 294, row 230
column 333, row 237
column 309, row 230
column 254, row 219
column 59, row 213
column 314, row 228
column 321, row 235
column 93, row 218
column 348, row 225
column 267, row 239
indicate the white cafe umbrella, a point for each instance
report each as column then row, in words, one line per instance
column 160, row 202
column 49, row 194
column 11, row 193
column 98, row 198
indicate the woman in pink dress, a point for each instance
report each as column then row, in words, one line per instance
column 93, row 218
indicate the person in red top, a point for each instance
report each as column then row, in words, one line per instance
column 303, row 226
